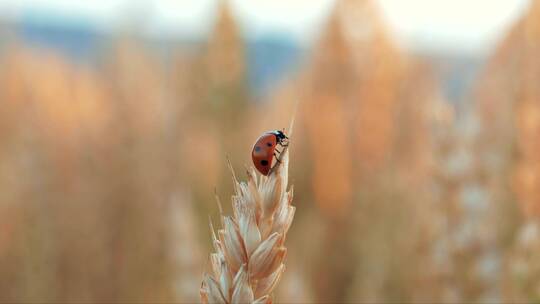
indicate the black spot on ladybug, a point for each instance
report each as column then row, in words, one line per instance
column 264, row 162
column 269, row 144
column 257, row 148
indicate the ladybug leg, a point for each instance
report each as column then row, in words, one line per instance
column 277, row 158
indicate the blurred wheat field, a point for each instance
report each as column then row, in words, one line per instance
column 108, row 165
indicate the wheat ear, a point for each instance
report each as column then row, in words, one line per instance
column 249, row 249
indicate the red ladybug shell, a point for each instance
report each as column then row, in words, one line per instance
column 263, row 150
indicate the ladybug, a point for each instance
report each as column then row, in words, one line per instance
column 265, row 150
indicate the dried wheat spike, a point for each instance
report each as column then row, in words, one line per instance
column 249, row 249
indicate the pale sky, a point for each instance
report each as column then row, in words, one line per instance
column 460, row 24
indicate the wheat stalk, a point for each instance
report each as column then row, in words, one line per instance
column 249, row 250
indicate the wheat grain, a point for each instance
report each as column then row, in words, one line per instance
column 249, row 249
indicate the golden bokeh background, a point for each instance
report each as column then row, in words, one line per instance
column 108, row 165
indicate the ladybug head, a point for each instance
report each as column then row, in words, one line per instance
column 281, row 135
